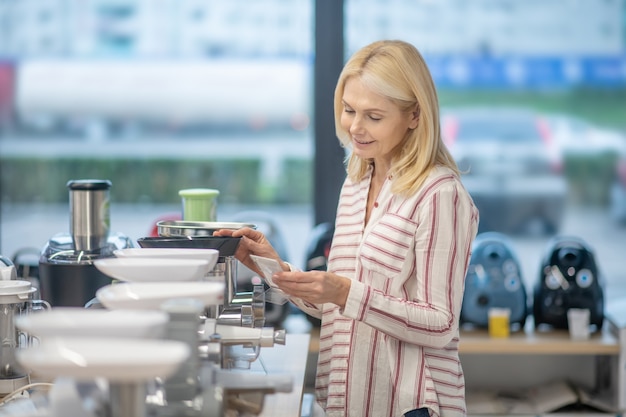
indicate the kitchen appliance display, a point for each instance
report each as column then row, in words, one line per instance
column 212, row 335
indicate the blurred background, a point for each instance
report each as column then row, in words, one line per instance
column 161, row 95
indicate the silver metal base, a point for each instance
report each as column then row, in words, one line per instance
column 9, row 385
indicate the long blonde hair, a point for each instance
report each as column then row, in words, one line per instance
column 396, row 70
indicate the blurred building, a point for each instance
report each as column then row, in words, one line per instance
column 494, row 27
column 107, row 56
column 86, row 28
column 154, row 28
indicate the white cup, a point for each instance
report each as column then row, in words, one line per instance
column 578, row 323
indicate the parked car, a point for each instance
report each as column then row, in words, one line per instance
column 575, row 135
column 510, row 166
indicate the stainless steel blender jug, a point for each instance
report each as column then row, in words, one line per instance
column 90, row 220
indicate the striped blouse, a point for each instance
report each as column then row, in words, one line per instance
column 394, row 347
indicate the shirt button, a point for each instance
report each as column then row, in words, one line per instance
column 375, row 204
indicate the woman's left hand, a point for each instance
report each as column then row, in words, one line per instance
column 316, row 287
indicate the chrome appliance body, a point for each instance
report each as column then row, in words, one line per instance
column 17, row 297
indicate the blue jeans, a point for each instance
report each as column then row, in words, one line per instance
column 420, row 412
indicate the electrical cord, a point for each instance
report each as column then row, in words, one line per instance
column 10, row 396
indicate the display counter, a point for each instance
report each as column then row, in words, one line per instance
column 291, row 359
column 531, row 342
column 547, row 369
column 531, row 359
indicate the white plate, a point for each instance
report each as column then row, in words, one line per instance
column 12, row 287
column 117, row 360
column 151, row 295
column 153, row 270
column 210, row 255
column 78, row 321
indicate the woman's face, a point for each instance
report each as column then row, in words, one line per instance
column 375, row 124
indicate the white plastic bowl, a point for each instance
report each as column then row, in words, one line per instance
column 82, row 322
column 210, row 255
column 114, row 359
column 154, row 269
column 152, row 295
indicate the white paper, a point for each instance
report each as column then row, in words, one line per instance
column 268, row 268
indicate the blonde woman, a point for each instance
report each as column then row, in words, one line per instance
column 390, row 300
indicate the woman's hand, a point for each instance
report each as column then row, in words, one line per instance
column 316, row 287
column 252, row 242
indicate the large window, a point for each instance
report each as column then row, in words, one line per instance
column 155, row 96
column 506, row 69
column 158, row 96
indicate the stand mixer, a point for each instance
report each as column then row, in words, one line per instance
column 246, row 309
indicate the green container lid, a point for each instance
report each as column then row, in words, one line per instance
column 200, row 193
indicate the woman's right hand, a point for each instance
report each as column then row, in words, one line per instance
column 252, row 242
